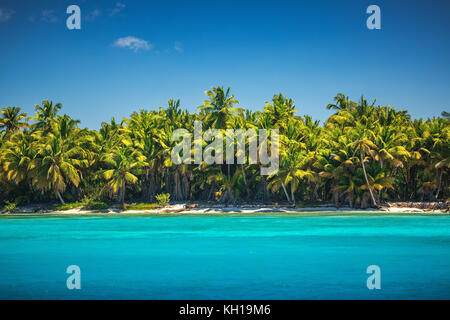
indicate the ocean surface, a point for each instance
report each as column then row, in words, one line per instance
column 264, row 256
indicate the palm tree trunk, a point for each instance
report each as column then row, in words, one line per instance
column 59, row 197
column 285, row 192
column 151, row 185
column 245, row 180
column 177, row 180
column 146, row 186
column 122, row 196
column 367, row 180
column 228, row 196
column 413, row 180
column 438, row 182
column 292, row 194
column 212, row 190
column 166, row 181
column 265, row 190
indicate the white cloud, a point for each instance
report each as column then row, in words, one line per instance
column 178, row 47
column 118, row 7
column 132, row 43
column 5, row 14
column 48, row 16
column 93, row 15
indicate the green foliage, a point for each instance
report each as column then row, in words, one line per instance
column 362, row 155
column 9, row 206
column 90, row 199
column 68, row 206
column 143, row 206
column 96, row 205
column 163, row 199
column 87, row 204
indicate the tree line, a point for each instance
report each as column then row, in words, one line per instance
column 361, row 156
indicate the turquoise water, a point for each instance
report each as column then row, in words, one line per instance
column 225, row 257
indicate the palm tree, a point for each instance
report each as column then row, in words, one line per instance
column 55, row 165
column 295, row 163
column 280, row 110
column 226, row 186
column 11, row 120
column 342, row 102
column 45, row 115
column 361, row 155
column 364, row 146
column 17, row 156
column 219, row 107
column 142, row 130
column 123, row 160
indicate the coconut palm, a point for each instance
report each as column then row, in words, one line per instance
column 45, row 114
column 342, row 102
column 55, row 165
column 219, row 107
column 123, row 162
column 17, row 156
column 12, row 120
column 364, row 146
column 361, row 155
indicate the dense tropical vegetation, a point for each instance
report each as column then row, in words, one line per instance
column 362, row 155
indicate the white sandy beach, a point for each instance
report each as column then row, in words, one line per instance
column 245, row 209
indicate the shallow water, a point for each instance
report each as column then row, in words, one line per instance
column 269, row 256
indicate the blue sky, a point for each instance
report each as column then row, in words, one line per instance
column 308, row 50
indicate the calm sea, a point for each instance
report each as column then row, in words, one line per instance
column 268, row 256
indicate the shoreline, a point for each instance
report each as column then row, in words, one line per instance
column 194, row 209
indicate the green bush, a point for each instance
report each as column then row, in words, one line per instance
column 163, row 199
column 68, row 206
column 142, row 206
column 10, row 206
column 88, row 199
column 96, row 205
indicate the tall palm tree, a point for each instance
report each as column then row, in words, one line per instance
column 17, row 157
column 364, row 146
column 280, row 111
column 55, row 165
column 219, row 107
column 342, row 102
column 361, row 155
column 45, row 115
column 12, row 120
column 123, row 161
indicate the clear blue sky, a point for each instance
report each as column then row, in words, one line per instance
column 308, row 50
